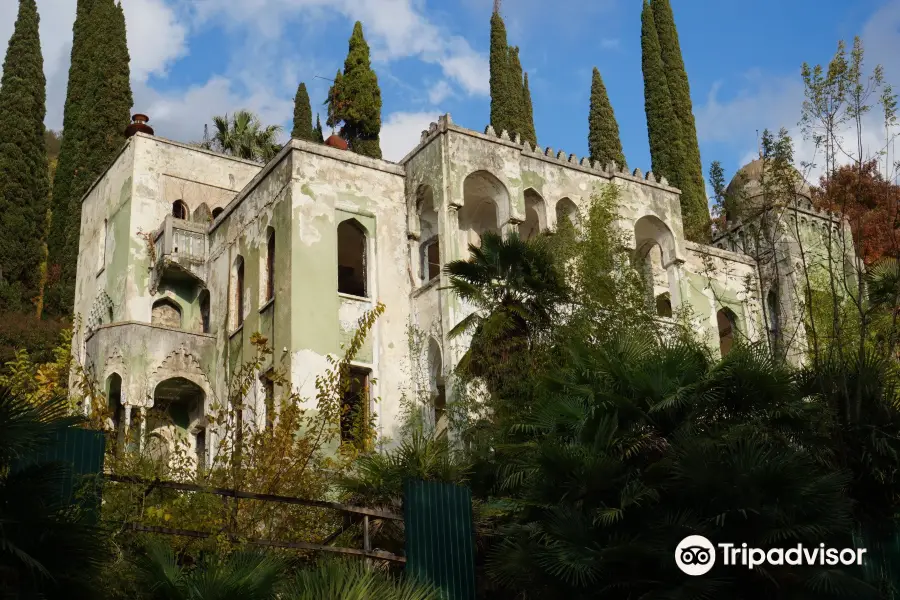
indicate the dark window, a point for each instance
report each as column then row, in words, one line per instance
column 204, row 310
column 351, row 258
column 354, row 408
column 270, row 266
column 663, row 305
column 200, row 447
column 269, row 389
column 239, row 292
column 217, row 211
column 431, row 258
column 179, row 210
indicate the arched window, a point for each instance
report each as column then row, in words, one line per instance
column 217, row 211
column 237, row 293
column 116, row 410
column 483, row 195
column 270, row 264
column 431, row 259
column 535, row 217
column 166, row 313
column 351, row 258
column 566, row 210
column 204, row 311
column 774, row 308
column 664, row 305
column 727, row 323
column 180, row 210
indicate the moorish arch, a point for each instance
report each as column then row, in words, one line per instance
column 180, row 363
column 535, row 215
column 655, row 254
column 485, row 208
column 566, row 209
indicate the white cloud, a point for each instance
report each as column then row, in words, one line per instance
column 401, row 131
column 394, row 29
column 156, row 38
column 439, row 92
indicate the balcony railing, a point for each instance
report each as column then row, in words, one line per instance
column 181, row 250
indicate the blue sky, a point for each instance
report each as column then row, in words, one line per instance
column 195, row 58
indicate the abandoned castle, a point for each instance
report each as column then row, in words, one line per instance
column 185, row 253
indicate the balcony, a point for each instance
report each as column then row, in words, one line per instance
column 180, row 253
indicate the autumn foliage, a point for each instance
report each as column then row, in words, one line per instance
column 870, row 202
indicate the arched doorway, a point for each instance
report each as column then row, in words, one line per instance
column 176, row 421
column 116, row 410
column 437, row 387
column 567, row 212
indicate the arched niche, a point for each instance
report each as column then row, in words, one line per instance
column 726, row 322
column 651, row 228
column 204, row 300
column 166, row 313
column 352, row 258
column 664, row 305
column 485, row 200
column 535, row 215
column 217, row 211
column 238, row 294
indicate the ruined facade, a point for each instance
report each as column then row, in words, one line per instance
column 185, row 253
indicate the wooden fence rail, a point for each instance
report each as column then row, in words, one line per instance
column 366, row 514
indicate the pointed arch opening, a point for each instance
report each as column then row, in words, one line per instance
column 726, row 321
column 176, row 419
column 217, row 211
column 438, row 389
column 268, row 270
column 116, row 408
column 204, row 311
column 483, row 197
column 535, row 215
column 180, row 210
column 352, row 243
column 664, row 305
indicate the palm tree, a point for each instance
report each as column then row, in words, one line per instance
column 517, row 292
column 346, row 580
column 47, row 549
column 244, row 575
column 634, row 444
column 243, row 135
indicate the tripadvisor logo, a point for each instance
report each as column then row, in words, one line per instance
column 696, row 555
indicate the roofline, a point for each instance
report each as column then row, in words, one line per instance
column 311, row 148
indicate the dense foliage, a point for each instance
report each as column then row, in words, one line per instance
column 603, row 130
column 24, row 182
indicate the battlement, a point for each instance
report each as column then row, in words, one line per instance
column 561, row 157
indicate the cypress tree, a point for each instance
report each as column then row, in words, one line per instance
column 317, row 132
column 359, row 105
column 517, row 92
column 503, row 86
column 693, row 195
column 303, row 127
column 100, row 107
column 24, row 176
column 69, row 153
column 530, row 133
column 603, row 130
column 662, row 124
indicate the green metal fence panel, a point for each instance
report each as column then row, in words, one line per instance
column 440, row 545
column 81, row 451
